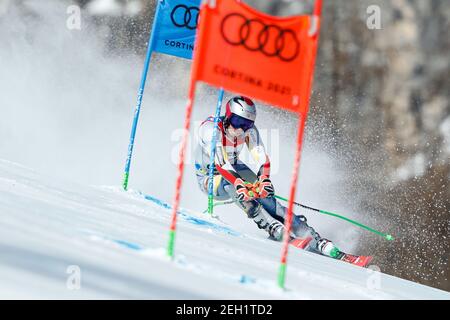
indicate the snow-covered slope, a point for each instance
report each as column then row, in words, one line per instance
column 117, row 240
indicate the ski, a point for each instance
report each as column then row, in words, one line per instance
column 300, row 243
column 360, row 261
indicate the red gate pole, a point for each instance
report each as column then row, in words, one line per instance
column 187, row 124
column 184, row 141
column 288, row 220
column 302, row 120
column 317, row 8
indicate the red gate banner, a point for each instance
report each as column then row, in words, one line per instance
column 268, row 58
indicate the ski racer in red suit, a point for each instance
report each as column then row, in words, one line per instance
column 236, row 130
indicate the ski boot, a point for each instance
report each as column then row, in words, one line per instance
column 327, row 248
column 274, row 228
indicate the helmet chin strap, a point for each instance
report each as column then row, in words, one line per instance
column 234, row 132
column 226, row 123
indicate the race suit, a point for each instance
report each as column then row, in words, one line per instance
column 228, row 168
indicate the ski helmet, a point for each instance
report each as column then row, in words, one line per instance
column 240, row 113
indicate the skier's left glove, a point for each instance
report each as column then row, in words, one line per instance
column 265, row 187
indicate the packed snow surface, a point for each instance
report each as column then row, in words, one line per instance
column 64, row 240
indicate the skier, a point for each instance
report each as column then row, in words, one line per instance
column 236, row 129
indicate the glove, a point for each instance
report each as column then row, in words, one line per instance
column 265, row 187
column 243, row 194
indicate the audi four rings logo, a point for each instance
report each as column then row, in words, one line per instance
column 185, row 17
column 255, row 35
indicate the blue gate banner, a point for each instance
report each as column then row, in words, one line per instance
column 175, row 27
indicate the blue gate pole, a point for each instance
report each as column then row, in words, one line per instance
column 213, row 154
column 140, row 96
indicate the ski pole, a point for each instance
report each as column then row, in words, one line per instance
column 384, row 235
column 219, row 203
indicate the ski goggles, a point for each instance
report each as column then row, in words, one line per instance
column 240, row 123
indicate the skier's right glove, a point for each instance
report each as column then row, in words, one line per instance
column 265, row 187
column 243, row 194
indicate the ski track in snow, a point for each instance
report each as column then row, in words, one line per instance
column 118, row 241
